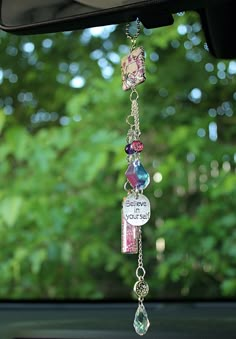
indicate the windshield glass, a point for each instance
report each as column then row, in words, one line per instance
column 62, row 164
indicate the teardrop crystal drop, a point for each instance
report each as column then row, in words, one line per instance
column 141, row 321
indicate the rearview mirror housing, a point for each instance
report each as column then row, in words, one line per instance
column 47, row 16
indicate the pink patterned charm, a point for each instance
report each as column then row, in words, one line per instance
column 129, row 236
column 133, row 69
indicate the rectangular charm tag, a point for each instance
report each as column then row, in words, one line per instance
column 133, row 69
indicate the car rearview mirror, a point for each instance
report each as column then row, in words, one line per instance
column 46, row 16
column 43, row 16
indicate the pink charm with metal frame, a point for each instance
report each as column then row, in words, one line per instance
column 133, row 69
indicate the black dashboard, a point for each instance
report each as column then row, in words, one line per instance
column 54, row 320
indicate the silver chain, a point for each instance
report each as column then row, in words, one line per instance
column 135, row 113
column 140, row 271
column 140, row 254
column 133, row 122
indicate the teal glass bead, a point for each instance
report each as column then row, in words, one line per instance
column 137, row 176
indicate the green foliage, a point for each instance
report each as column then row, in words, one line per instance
column 62, row 164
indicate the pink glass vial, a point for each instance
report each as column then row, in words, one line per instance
column 129, row 236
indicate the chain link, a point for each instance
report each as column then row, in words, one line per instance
column 134, row 124
column 135, row 114
column 133, row 119
column 140, row 271
column 140, row 254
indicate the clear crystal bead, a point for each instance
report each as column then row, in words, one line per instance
column 141, row 321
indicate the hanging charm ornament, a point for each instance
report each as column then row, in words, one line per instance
column 136, row 206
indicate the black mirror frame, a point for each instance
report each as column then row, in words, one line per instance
column 217, row 17
column 145, row 11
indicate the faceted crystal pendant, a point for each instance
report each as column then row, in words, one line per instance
column 137, row 176
column 141, row 322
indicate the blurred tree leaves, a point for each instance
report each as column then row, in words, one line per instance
column 62, row 164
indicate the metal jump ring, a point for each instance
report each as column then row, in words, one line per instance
column 134, row 95
column 126, row 188
column 129, row 122
column 140, row 275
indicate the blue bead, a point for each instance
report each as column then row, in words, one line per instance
column 137, row 175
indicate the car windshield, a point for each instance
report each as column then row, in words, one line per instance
column 62, row 165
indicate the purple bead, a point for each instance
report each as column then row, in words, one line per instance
column 129, row 150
